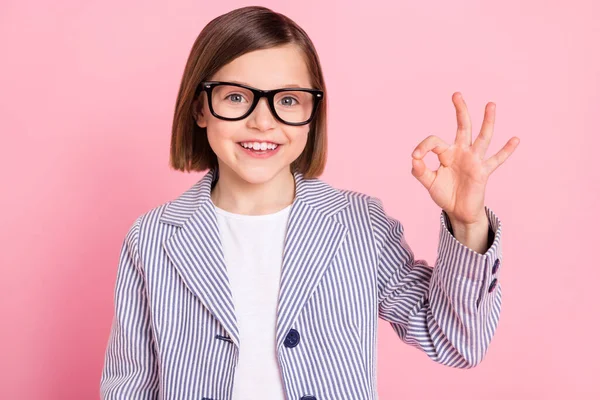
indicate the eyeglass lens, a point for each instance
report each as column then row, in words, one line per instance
column 233, row 102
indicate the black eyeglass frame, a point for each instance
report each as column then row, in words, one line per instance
column 208, row 86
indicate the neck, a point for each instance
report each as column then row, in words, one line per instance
column 234, row 194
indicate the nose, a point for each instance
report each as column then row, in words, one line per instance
column 262, row 116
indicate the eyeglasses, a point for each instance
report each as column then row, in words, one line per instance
column 233, row 101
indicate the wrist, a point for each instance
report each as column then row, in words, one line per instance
column 475, row 225
column 475, row 235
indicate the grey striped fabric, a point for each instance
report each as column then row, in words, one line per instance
column 346, row 263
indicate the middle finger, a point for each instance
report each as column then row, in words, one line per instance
column 463, row 131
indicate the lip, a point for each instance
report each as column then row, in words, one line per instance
column 266, row 154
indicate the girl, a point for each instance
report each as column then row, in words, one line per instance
column 261, row 280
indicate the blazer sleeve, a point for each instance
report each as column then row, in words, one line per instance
column 450, row 311
column 130, row 368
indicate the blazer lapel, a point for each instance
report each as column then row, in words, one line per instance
column 197, row 253
column 312, row 239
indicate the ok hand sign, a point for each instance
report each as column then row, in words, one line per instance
column 458, row 185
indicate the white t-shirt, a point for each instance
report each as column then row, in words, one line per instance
column 253, row 247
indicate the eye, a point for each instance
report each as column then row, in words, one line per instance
column 288, row 101
column 235, row 97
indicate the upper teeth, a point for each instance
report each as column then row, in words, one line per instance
column 259, row 145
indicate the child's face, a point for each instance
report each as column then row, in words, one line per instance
column 263, row 69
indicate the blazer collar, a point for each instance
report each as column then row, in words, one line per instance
column 312, row 240
column 314, row 192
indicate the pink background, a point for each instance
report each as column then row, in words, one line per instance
column 86, row 102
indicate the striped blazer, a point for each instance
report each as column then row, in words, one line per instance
column 346, row 263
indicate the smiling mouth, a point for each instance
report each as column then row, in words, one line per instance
column 270, row 147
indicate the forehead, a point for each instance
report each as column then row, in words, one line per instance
column 268, row 68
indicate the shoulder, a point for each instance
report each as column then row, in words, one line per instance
column 370, row 205
column 172, row 212
column 353, row 197
column 178, row 209
column 146, row 221
column 370, row 209
column 382, row 225
column 356, row 198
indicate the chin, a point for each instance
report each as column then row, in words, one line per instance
column 259, row 174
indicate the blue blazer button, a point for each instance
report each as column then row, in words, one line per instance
column 496, row 265
column 308, row 398
column 493, row 285
column 292, row 339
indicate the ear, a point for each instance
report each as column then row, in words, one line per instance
column 198, row 112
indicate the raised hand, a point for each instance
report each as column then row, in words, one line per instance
column 458, row 185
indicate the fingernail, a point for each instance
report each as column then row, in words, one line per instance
column 416, row 153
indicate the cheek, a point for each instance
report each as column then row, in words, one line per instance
column 219, row 139
column 221, row 132
column 298, row 138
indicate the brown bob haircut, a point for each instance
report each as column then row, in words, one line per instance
column 222, row 40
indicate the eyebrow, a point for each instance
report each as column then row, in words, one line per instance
column 290, row 85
